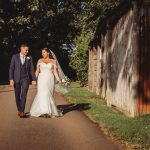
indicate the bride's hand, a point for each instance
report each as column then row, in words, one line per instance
column 59, row 81
column 33, row 82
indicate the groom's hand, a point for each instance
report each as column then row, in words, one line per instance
column 11, row 82
column 33, row 82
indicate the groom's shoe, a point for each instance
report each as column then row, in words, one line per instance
column 19, row 113
column 22, row 115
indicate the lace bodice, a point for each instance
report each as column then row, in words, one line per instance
column 44, row 68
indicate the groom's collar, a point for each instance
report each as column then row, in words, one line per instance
column 21, row 55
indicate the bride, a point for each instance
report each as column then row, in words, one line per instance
column 44, row 104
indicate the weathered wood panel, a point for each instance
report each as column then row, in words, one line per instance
column 122, row 69
column 119, row 68
column 144, row 63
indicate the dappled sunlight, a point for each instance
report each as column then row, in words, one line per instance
column 118, row 70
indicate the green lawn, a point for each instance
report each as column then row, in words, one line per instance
column 134, row 131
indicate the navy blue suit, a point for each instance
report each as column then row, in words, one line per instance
column 21, row 74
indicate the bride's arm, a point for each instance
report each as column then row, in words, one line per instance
column 37, row 72
column 37, row 69
column 55, row 71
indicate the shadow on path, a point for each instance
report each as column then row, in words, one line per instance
column 71, row 107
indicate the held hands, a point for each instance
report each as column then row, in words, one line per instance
column 33, row 82
column 11, row 82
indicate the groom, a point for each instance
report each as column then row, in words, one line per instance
column 21, row 68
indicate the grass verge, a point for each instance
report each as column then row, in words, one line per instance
column 133, row 131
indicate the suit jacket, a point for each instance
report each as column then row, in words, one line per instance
column 15, row 68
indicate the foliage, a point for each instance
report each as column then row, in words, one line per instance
column 133, row 131
column 39, row 23
column 50, row 23
column 92, row 12
column 79, row 58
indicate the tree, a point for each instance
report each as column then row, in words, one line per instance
column 39, row 23
column 79, row 58
column 50, row 23
column 93, row 11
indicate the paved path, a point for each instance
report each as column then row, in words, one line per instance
column 73, row 131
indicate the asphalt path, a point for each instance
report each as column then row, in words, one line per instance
column 73, row 131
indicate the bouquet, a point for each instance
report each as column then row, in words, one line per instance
column 63, row 87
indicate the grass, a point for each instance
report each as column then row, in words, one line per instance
column 134, row 131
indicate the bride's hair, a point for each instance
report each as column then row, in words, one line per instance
column 49, row 51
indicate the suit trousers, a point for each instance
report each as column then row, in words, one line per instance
column 21, row 90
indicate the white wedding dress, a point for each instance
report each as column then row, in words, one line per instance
column 44, row 101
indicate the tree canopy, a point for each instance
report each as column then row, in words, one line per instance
column 49, row 23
